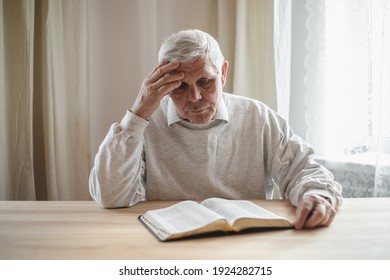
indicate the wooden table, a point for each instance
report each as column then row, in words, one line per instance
column 83, row 230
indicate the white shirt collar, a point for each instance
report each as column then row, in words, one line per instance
column 173, row 117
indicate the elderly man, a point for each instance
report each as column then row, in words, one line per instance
column 184, row 138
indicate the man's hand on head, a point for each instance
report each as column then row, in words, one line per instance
column 160, row 82
column 314, row 211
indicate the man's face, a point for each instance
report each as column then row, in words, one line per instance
column 197, row 99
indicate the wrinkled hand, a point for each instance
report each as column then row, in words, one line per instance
column 156, row 85
column 314, row 211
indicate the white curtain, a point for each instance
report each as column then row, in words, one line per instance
column 347, row 77
column 282, row 53
column 70, row 68
column 254, row 67
column 44, row 100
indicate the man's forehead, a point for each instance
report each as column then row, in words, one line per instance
column 197, row 66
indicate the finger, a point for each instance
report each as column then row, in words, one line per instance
column 162, row 69
column 322, row 213
column 331, row 213
column 317, row 216
column 167, row 88
column 168, row 79
column 303, row 211
column 161, row 64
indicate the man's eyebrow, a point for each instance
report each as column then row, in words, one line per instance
column 210, row 75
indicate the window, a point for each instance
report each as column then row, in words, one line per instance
column 347, row 75
column 340, row 89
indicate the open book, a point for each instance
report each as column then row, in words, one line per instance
column 188, row 218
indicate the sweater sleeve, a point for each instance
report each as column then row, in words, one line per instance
column 296, row 172
column 117, row 178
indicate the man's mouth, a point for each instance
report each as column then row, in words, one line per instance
column 198, row 110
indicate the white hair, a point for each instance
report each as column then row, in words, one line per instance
column 188, row 45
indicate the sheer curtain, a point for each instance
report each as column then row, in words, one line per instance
column 70, row 68
column 381, row 72
column 347, row 94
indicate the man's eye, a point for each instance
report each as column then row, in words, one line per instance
column 205, row 82
column 181, row 88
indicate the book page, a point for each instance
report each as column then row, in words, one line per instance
column 233, row 210
column 184, row 216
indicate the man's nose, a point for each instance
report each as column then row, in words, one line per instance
column 194, row 94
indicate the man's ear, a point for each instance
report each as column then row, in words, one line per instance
column 225, row 68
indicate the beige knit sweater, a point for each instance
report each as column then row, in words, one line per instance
column 241, row 154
